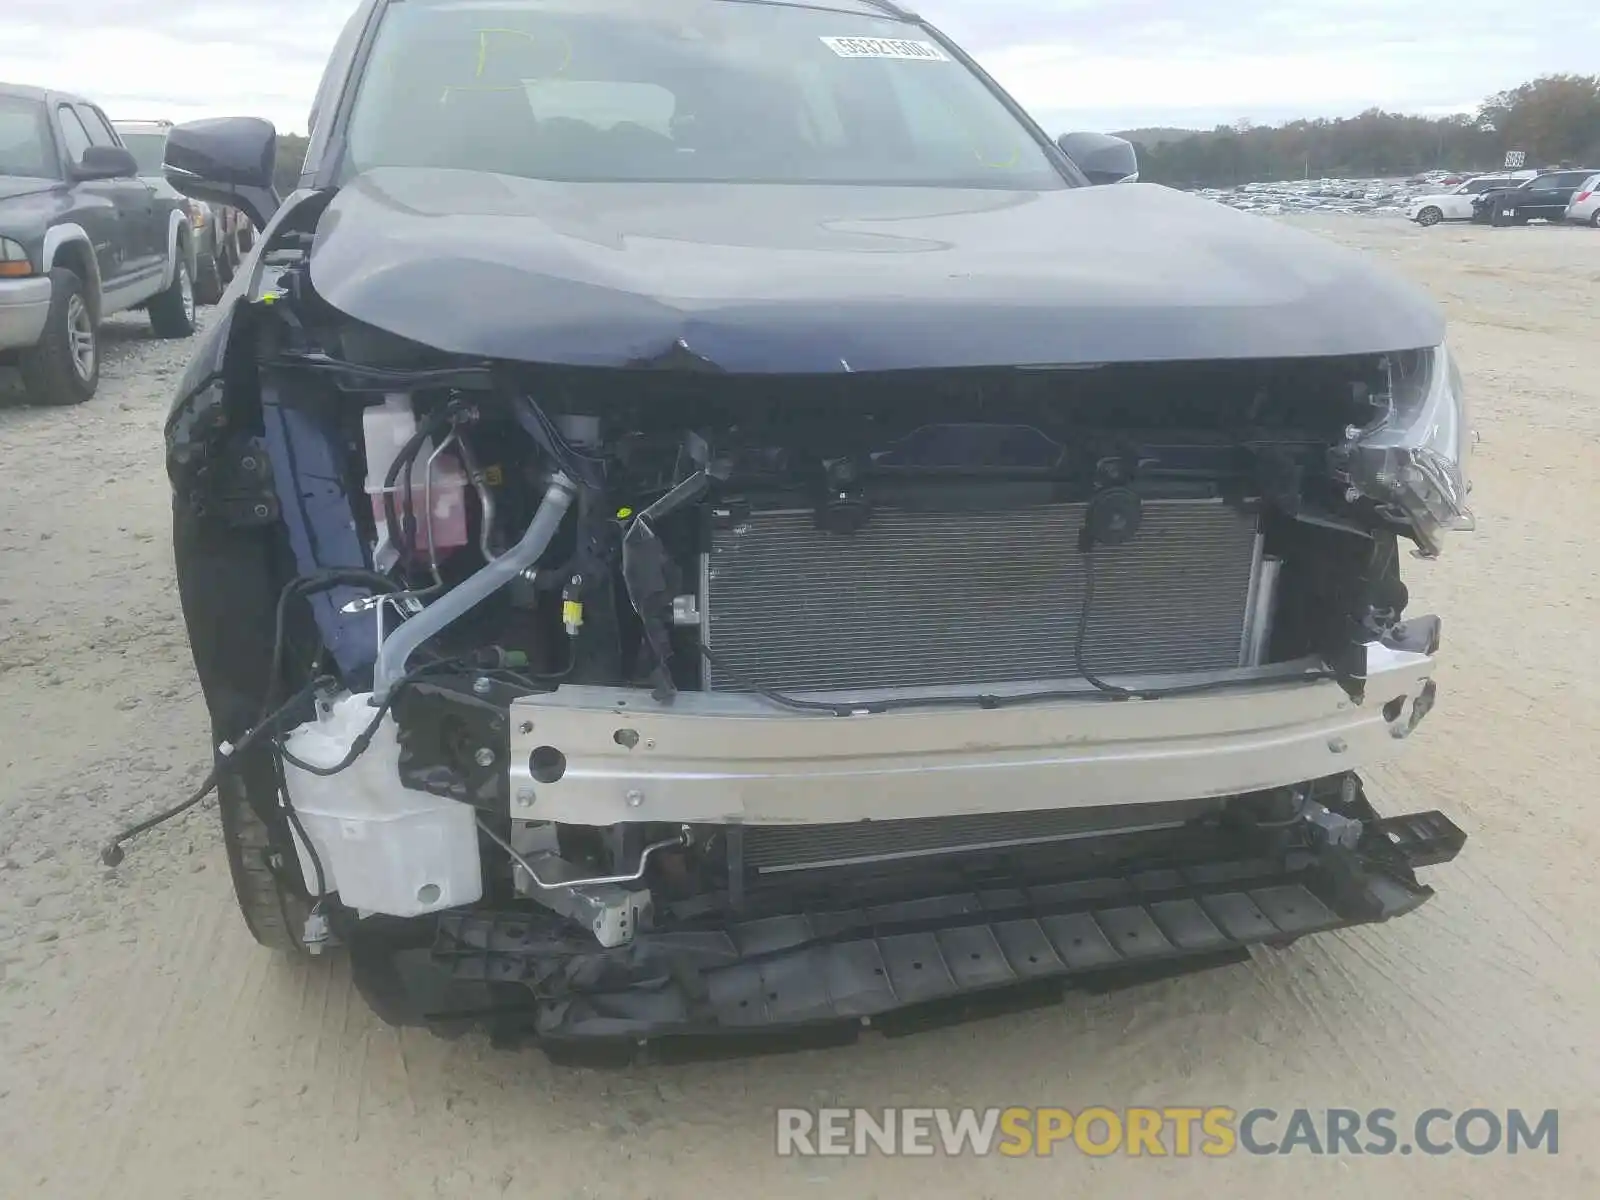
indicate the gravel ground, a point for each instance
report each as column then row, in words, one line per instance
column 149, row 1048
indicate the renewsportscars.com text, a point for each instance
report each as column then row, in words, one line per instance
column 1213, row 1132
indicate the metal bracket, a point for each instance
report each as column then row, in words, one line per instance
column 609, row 911
column 600, row 903
column 1424, row 839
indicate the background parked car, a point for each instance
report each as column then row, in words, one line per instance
column 1544, row 197
column 1585, row 205
column 215, row 247
column 81, row 237
column 1456, row 204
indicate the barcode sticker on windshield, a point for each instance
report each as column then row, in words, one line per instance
column 865, row 47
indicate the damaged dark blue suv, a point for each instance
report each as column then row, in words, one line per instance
column 700, row 518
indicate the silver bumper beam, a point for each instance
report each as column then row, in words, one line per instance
column 603, row 756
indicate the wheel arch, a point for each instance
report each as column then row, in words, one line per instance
column 69, row 246
column 180, row 240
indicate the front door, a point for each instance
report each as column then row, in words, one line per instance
column 97, row 208
column 136, row 205
column 1545, row 197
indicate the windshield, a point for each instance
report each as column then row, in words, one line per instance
column 25, row 147
column 148, row 150
column 681, row 90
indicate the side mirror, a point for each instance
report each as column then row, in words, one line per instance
column 1101, row 157
column 105, row 162
column 228, row 161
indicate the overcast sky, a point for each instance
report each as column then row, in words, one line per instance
column 1091, row 64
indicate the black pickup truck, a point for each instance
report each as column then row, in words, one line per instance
column 81, row 238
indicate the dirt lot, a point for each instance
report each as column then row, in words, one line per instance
column 149, row 1048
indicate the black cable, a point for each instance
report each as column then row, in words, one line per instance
column 584, row 469
column 535, row 681
column 357, row 747
column 364, row 738
column 776, row 697
column 1103, row 691
column 306, row 585
column 1288, row 822
column 112, row 854
column 302, row 585
column 871, row 707
column 1080, row 643
column 299, row 828
column 1113, row 692
column 403, row 461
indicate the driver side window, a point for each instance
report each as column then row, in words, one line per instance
column 99, row 129
column 73, row 134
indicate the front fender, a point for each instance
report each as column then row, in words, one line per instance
column 177, row 227
column 206, row 364
column 68, row 233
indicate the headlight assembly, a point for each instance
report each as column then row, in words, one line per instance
column 14, row 262
column 1412, row 460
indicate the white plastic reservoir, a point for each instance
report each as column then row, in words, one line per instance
column 384, row 848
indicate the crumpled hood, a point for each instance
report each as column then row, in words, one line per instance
column 790, row 278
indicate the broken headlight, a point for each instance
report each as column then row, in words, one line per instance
column 1411, row 460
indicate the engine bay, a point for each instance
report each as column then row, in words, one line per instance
column 688, row 454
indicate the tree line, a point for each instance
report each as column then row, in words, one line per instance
column 1553, row 120
column 286, row 170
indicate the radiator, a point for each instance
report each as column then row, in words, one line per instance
column 920, row 598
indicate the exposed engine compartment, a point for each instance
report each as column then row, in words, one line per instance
column 847, row 458
column 445, row 559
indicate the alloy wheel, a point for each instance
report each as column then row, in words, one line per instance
column 81, row 338
column 186, row 290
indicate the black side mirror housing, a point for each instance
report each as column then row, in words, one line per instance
column 227, row 161
column 1101, row 157
column 105, row 162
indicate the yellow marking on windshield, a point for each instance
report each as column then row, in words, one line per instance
column 978, row 153
column 490, row 35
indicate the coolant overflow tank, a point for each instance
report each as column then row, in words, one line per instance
column 383, row 847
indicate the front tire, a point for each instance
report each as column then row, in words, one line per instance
column 172, row 312
column 208, row 286
column 1429, row 216
column 64, row 368
column 274, row 911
